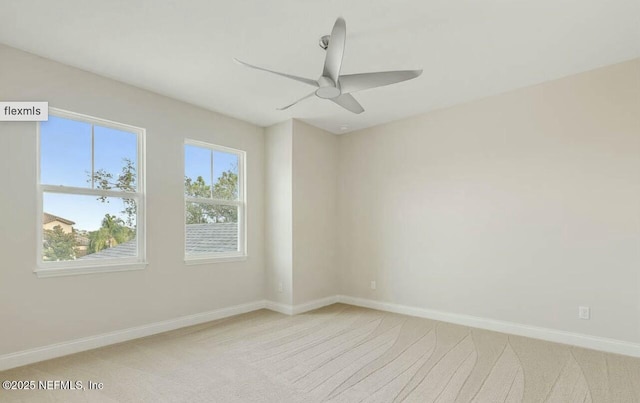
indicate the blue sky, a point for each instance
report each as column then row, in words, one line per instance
column 198, row 163
column 65, row 159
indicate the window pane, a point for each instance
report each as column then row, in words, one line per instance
column 115, row 159
column 211, row 228
column 197, row 171
column 225, row 175
column 88, row 227
column 65, row 152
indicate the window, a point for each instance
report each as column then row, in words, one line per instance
column 91, row 195
column 215, row 205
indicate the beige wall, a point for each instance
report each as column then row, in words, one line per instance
column 41, row 311
column 518, row 207
column 300, row 228
column 315, row 213
column 278, row 213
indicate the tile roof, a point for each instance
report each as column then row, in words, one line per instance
column 127, row 249
column 214, row 237
column 201, row 238
column 47, row 218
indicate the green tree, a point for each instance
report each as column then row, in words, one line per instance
column 197, row 213
column 125, row 181
column 197, row 187
column 58, row 245
column 112, row 232
column 225, row 188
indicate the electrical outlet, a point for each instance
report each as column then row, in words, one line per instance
column 584, row 312
column 280, row 287
column 373, row 284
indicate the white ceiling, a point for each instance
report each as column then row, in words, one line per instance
column 468, row 49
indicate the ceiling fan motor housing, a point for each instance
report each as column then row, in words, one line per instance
column 328, row 89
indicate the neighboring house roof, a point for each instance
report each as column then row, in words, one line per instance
column 127, row 249
column 201, row 238
column 47, row 218
column 214, row 237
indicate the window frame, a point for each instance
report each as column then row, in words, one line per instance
column 74, row 267
column 241, row 203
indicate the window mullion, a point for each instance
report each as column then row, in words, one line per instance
column 90, row 192
column 211, row 186
column 93, row 168
column 214, row 201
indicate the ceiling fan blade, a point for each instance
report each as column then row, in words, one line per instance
column 301, row 99
column 333, row 59
column 348, row 102
column 300, row 79
column 357, row 82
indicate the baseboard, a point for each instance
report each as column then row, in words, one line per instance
column 557, row 336
column 301, row 308
column 25, row 357
column 315, row 304
column 20, row 358
column 279, row 307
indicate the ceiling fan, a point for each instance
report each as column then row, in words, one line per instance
column 336, row 87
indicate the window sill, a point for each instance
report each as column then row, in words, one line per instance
column 73, row 271
column 191, row 261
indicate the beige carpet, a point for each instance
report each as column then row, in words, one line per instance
column 339, row 354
